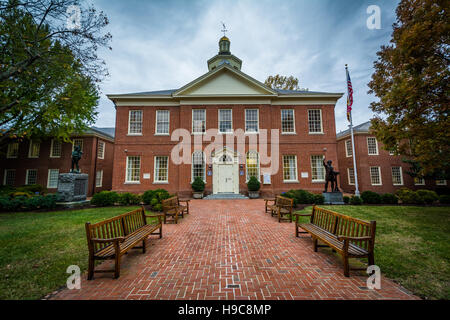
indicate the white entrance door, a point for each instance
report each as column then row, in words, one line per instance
column 226, row 179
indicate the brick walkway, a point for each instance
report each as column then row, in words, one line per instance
column 231, row 250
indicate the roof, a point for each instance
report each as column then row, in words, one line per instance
column 106, row 132
column 362, row 128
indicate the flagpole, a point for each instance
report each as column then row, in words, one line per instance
column 355, row 171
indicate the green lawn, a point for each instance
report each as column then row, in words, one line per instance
column 37, row 248
column 412, row 245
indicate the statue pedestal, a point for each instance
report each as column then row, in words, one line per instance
column 73, row 187
column 333, row 198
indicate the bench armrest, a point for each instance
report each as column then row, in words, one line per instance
column 297, row 215
column 186, row 200
column 118, row 239
column 156, row 215
column 343, row 238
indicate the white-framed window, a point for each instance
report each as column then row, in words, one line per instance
column 348, row 148
column 198, row 120
column 397, row 176
column 372, row 146
column 52, row 180
column 375, row 176
column 13, row 150
column 391, row 153
column 135, row 122
column 99, row 179
column 351, row 176
column 317, row 168
column 161, row 169
column 225, row 121
column 441, row 182
column 78, row 142
column 251, row 120
column 31, row 177
column 288, row 121
column 253, row 165
column 162, row 122
column 55, row 149
column 198, row 165
column 9, row 178
column 133, row 173
column 290, row 168
column 101, row 149
column 419, row 181
column 315, row 121
column 34, row 150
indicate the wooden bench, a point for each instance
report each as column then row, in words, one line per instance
column 350, row 237
column 282, row 207
column 114, row 237
column 173, row 209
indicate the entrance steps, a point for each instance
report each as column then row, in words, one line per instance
column 225, row 196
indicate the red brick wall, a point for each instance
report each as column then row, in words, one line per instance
column 148, row 145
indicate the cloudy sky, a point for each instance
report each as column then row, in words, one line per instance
column 165, row 44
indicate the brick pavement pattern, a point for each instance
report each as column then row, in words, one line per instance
column 231, row 250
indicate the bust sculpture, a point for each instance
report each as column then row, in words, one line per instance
column 76, row 156
column 330, row 176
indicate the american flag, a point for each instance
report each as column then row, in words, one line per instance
column 349, row 96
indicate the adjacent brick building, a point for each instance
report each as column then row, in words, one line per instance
column 40, row 162
column 378, row 170
column 227, row 104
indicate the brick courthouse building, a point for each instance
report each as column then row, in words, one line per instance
column 294, row 131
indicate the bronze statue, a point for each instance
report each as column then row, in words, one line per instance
column 76, row 156
column 330, row 176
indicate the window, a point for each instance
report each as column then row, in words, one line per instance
column 375, row 176
column 287, row 121
column 198, row 165
column 419, row 181
column 52, row 181
column 351, row 176
column 317, row 168
column 198, row 121
column 252, row 120
column 99, row 179
column 253, row 165
column 13, row 150
column 162, row 122
column 34, row 150
column 55, row 149
column 77, row 142
column 101, row 150
column 392, row 153
column 135, row 122
column 10, row 177
column 290, row 168
column 225, row 121
column 133, row 169
column 348, row 148
column 315, row 121
column 162, row 169
column 372, row 146
column 31, row 177
column 441, row 182
column 397, row 176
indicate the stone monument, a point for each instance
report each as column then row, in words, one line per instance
column 335, row 196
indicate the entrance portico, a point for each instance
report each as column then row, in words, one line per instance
column 225, row 172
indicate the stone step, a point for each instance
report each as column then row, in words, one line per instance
column 226, row 196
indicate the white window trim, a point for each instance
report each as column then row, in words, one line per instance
column 376, row 144
column 192, row 167
column 29, row 151
column 281, row 119
column 348, row 176
column 51, row 150
column 129, row 122
column 154, row 171
column 156, row 123
column 126, row 171
column 321, row 123
column 401, row 176
column 245, row 124
column 379, row 173
column 419, row 184
column 4, row 176
column 441, row 184
column 8, row 156
column 101, row 179
column 346, row 148
column 258, row 167
column 325, row 174
column 296, row 169
column 102, row 157
column 48, row 179
column 26, row 175
column 192, row 117
column 82, row 144
column 218, row 118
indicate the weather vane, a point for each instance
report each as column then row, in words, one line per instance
column 224, row 29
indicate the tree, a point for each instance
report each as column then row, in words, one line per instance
column 282, row 82
column 49, row 68
column 411, row 80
